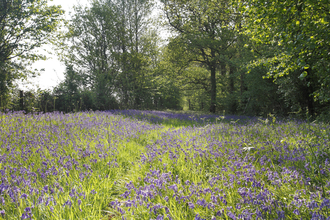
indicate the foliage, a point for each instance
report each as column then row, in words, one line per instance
column 299, row 33
column 223, row 56
column 208, row 31
column 25, row 25
column 262, row 95
column 113, row 49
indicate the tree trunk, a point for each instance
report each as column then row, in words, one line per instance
column 310, row 89
column 232, row 103
column 21, row 100
column 213, row 90
column 231, row 81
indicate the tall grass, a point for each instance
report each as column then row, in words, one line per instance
column 161, row 165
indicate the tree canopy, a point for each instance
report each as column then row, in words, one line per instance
column 252, row 57
column 208, row 28
column 299, row 32
column 25, row 25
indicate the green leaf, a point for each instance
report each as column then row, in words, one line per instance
column 303, row 75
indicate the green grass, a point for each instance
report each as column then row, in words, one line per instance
column 89, row 158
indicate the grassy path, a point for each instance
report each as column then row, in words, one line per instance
column 161, row 165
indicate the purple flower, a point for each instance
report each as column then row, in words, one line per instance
column 197, row 217
column 46, row 188
column 120, row 210
column 313, row 204
column 40, row 200
column 173, row 187
column 191, row 205
column 160, row 217
column 24, row 196
column 231, row 215
column 28, row 209
column 219, row 213
column 281, row 214
column 155, row 208
column 201, row 202
column 307, row 166
column 25, row 216
column 296, row 212
column 325, row 203
column 125, row 194
column 68, row 203
column 210, row 205
column 129, row 203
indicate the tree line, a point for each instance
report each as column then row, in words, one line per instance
column 251, row 57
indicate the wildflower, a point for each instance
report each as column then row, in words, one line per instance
column 173, row 187
column 231, row 215
column 296, row 212
column 307, row 166
column 219, row 213
column 313, row 204
column 25, row 216
column 46, row 188
column 281, row 214
column 210, row 205
column 325, row 203
column 120, row 210
column 201, row 202
column 24, row 196
column 128, row 203
column 28, row 209
column 160, row 217
column 68, row 203
column 197, row 217
column 191, row 205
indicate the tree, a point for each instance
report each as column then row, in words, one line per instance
column 209, row 29
column 111, row 48
column 190, row 77
column 298, row 31
column 67, row 92
column 136, row 45
column 25, row 25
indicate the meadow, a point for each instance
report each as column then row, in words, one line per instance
column 130, row 164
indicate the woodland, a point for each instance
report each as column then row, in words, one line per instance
column 111, row 140
column 242, row 57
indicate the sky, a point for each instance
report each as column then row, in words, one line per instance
column 54, row 69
